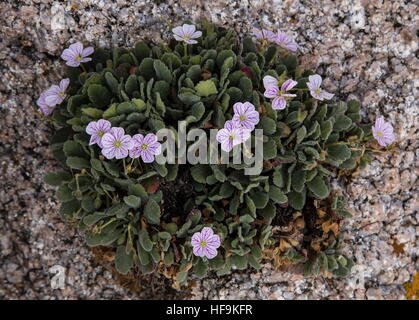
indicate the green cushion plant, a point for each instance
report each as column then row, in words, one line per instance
column 148, row 212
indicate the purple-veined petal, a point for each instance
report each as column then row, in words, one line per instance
column 269, row 81
column 147, row 156
column 271, row 92
column 109, row 153
column 210, row 253
column 87, row 51
column 279, row 103
column 76, row 47
column 288, row 85
column 206, row 233
column 315, row 81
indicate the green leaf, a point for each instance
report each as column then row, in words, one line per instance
column 110, row 112
column 162, row 71
column 277, row 195
column 339, row 152
column 146, row 68
column 152, row 212
column 268, row 125
column 342, row 123
column 318, row 187
column 73, row 148
column 78, row 163
column 206, row 88
column 93, row 113
column 64, row 193
column 123, row 260
column 144, row 240
column 200, row 173
column 133, row 201
column 57, row 178
column 301, row 133
column 98, row 95
column 268, row 212
column 93, row 218
column 269, row 149
column 296, row 199
column 200, row 269
column 141, row 50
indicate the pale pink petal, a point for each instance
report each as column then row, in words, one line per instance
column 76, row 47
column 222, row 135
column 178, row 31
column 326, row 95
column 210, row 253
column 109, row 153
column 315, row 81
column 288, row 85
column 147, row 156
column 278, row 103
column 269, row 81
column 198, row 251
column 206, row 233
column 271, row 92
column 87, row 51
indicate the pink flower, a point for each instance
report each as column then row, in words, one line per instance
column 56, row 94
column 205, row 243
column 75, row 54
column 264, row 34
column 186, row 33
column 245, row 115
column 145, row 147
column 231, row 135
column 116, row 144
column 316, row 92
column 97, row 130
column 383, row 132
column 279, row 96
column 285, row 41
column 43, row 106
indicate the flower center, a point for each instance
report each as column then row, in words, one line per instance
column 203, row 243
column 242, row 117
column 231, row 137
column 144, row 146
column 101, row 133
column 186, row 37
column 61, row 93
column 318, row 91
column 78, row 57
column 380, row 134
column 117, row 144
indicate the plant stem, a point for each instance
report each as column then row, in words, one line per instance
column 83, row 68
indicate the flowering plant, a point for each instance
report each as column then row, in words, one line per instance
column 174, row 218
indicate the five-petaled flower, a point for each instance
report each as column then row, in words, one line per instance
column 245, row 115
column 231, row 135
column 76, row 54
column 279, row 95
column 285, row 41
column 383, row 132
column 205, row 243
column 116, row 144
column 56, row 94
column 45, row 108
column 264, row 34
column 314, row 83
column 145, row 147
column 186, row 33
column 97, row 130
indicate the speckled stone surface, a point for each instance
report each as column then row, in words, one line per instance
column 366, row 49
